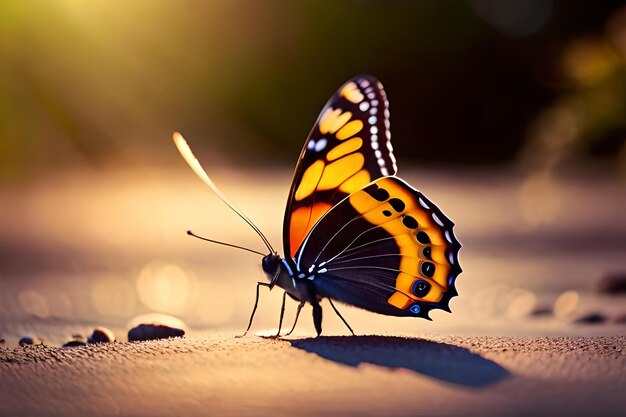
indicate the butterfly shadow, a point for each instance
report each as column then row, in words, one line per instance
column 438, row 360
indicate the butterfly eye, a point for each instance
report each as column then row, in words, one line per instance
column 420, row 288
column 270, row 263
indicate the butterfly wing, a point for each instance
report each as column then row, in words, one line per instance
column 347, row 148
column 385, row 248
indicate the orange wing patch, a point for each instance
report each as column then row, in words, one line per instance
column 310, row 179
column 344, row 148
column 420, row 239
column 356, row 182
column 302, row 221
column 351, row 92
column 344, row 162
column 339, row 171
column 332, row 120
column 349, row 130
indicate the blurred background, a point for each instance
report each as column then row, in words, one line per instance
column 511, row 115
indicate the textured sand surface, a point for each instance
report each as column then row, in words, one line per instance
column 105, row 249
column 219, row 375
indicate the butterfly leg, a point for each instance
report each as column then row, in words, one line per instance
column 256, row 303
column 317, row 317
column 282, row 314
column 296, row 320
column 341, row 317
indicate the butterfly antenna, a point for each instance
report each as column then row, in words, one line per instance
column 190, row 233
column 193, row 162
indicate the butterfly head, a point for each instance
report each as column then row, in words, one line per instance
column 270, row 263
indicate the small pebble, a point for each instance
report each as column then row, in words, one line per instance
column 74, row 343
column 591, row 318
column 27, row 340
column 612, row 284
column 153, row 331
column 101, row 335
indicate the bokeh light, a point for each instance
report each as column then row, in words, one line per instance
column 164, row 287
column 521, row 303
column 566, row 303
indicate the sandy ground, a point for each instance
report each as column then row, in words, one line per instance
column 220, row 375
column 105, row 249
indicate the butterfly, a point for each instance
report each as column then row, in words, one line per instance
column 353, row 231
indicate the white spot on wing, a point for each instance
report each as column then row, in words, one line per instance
column 320, row 145
column 372, row 120
column 436, row 219
column 423, row 203
column 364, row 106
